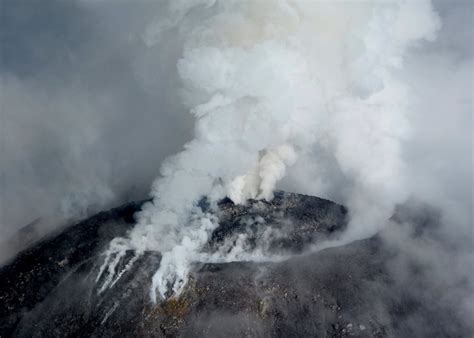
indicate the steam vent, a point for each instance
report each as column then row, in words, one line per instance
column 52, row 289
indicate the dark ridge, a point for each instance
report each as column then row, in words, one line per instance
column 29, row 277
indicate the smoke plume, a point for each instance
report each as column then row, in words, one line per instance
column 267, row 82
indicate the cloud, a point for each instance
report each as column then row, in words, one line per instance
column 77, row 111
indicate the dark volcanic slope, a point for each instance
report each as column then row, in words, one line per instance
column 51, row 289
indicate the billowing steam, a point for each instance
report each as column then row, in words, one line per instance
column 268, row 82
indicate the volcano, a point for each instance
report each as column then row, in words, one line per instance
column 55, row 287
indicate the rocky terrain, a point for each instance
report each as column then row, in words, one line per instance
column 52, row 289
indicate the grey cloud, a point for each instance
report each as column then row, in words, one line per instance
column 83, row 125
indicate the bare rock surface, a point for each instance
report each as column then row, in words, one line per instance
column 51, row 289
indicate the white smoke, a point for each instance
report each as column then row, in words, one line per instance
column 261, row 180
column 267, row 82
